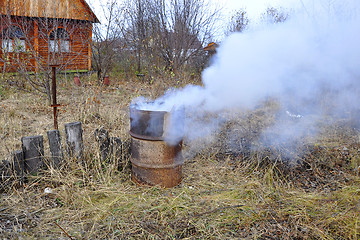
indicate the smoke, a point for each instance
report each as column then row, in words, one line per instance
column 309, row 64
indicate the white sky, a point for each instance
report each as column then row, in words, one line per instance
column 253, row 7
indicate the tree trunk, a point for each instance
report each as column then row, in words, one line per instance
column 139, row 61
column 48, row 91
column 99, row 77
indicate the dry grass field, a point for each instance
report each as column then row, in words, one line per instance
column 225, row 194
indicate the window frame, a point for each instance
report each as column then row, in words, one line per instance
column 13, row 41
column 59, row 43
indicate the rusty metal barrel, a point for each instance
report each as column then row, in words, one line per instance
column 154, row 160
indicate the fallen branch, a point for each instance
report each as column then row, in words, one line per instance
column 64, row 231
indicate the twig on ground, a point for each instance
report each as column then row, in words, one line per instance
column 64, row 231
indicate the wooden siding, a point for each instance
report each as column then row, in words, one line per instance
column 37, row 56
column 60, row 9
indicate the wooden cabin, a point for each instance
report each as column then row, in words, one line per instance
column 37, row 33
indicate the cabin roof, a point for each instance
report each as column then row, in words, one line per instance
column 63, row 9
column 211, row 47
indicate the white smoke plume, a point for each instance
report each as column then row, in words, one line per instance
column 310, row 64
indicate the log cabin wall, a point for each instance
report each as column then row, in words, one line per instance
column 37, row 19
column 12, row 61
column 77, row 58
column 38, row 55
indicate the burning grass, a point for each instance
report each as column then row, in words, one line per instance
column 233, row 189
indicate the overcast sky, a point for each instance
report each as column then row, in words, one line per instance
column 256, row 7
column 253, row 7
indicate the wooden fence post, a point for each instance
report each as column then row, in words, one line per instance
column 33, row 148
column 55, row 148
column 74, row 141
column 102, row 137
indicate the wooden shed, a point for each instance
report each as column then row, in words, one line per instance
column 37, row 33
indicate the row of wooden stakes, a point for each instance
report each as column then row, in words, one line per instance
column 30, row 159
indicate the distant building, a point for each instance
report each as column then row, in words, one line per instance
column 211, row 48
column 36, row 33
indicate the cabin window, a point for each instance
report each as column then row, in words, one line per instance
column 13, row 39
column 59, row 41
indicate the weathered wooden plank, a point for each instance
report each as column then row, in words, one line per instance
column 66, row 9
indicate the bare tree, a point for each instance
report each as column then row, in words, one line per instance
column 239, row 22
column 274, row 15
column 185, row 27
column 169, row 32
column 106, row 38
column 136, row 32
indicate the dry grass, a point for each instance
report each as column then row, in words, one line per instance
column 225, row 193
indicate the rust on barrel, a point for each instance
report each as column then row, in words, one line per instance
column 154, row 161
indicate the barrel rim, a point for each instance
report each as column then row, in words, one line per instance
column 144, row 137
column 135, row 107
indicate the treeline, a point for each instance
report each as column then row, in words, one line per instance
column 151, row 36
